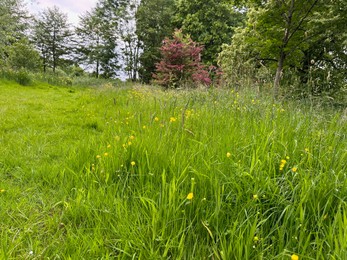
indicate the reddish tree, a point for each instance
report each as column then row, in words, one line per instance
column 181, row 63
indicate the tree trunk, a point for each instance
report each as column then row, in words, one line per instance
column 278, row 74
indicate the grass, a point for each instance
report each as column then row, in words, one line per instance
column 138, row 173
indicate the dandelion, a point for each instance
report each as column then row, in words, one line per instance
column 190, row 196
column 98, row 156
column 295, row 257
column 172, row 119
column 228, row 154
column 132, row 163
column 294, row 169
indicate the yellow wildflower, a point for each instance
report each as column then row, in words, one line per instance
column 294, row 169
column 132, row 137
column 295, row 257
column 255, row 196
column 190, row 196
column 105, row 154
column 144, row 127
column 256, row 239
column 156, row 119
column 98, row 156
column 2, row 190
column 228, row 154
column 132, row 163
column 173, row 119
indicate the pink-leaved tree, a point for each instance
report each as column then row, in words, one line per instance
column 181, row 64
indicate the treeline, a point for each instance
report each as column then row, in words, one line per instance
column 298, row 45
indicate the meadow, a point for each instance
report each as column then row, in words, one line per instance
column 135, row 172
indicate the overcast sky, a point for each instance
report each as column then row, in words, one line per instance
column 73, row 8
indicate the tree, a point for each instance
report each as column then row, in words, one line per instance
column 13, row 23
column 153, row 24
column 209, row 22
column 287, row 34
column 129, row 40
column 52, row 37
column 22, row 55
column 96, row 45
column 181, row 63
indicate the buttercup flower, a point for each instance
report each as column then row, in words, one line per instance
column 190, row 196
column 295, row 257
column 132, row 163
column 228, row 155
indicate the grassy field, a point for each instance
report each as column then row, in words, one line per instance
column 138, row 173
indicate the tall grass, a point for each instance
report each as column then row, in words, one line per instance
column 106, row 173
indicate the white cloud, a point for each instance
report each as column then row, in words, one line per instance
column 73, row 8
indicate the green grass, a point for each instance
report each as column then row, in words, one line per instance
column 104, row 173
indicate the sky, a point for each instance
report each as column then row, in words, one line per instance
column 73, row 8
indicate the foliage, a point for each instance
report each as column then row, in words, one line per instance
column 52, row 37
column 181, row 63
column 13, row 24
column 209, row 22
column 22, row 55
column 123, row 173
column 153, row 24
column 97, row 40
column 290, row 37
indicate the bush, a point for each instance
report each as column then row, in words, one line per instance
column 181, row 63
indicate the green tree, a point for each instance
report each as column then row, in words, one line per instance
column 209, row 22
column 288, row 34
column 13, row 24
column 22, row 55
column 52, row 37
column 153, row 24
column 96, row 44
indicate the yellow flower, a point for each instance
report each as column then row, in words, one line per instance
column 105, row 154
column 129, row 143
column 156, row 119
column 173, row 119
column 294, row 169
column 144, row 127
column 98, row 156
column 190, row 196
column 132, row 137
column 132, row 163
column 295, row 257
column 228, row 155
column 2, row 190
column 255, row 196
column 256, row 239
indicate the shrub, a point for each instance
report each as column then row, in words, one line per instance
column 181, row 63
